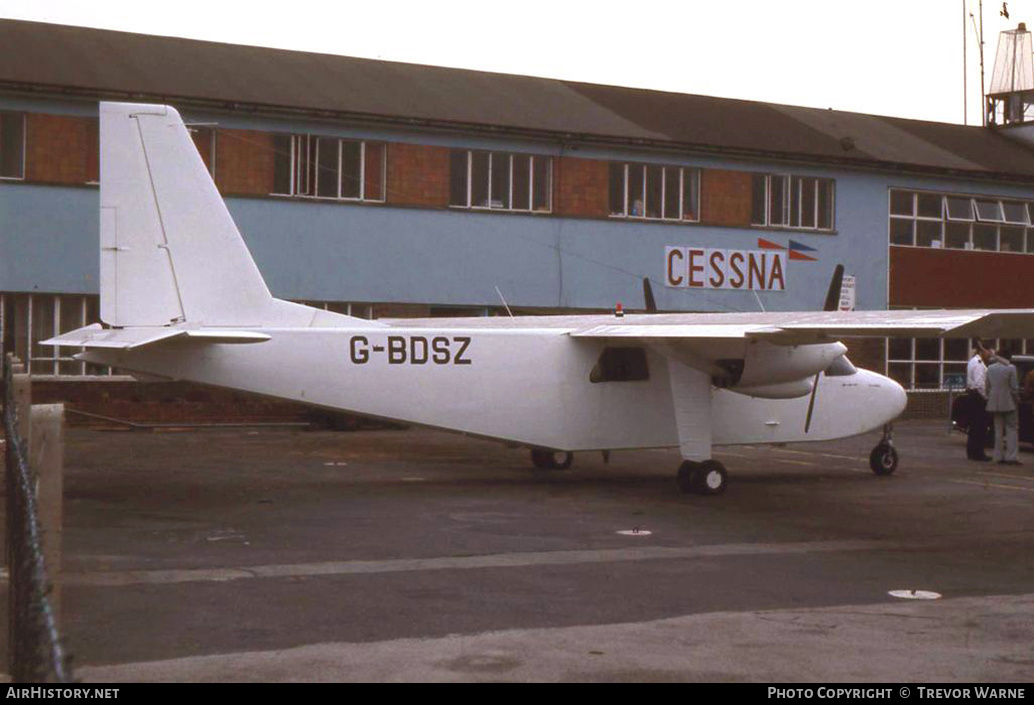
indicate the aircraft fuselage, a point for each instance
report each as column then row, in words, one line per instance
column 529, row 386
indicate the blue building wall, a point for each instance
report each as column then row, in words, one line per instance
column 353, row 252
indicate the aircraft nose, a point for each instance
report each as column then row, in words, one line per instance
column 885, row 400
column 891, row 397
column 896, row 397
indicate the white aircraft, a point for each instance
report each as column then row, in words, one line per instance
column 181, row 298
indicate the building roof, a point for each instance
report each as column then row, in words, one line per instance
column 102, row 63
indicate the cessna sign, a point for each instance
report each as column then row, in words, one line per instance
column 702, row 268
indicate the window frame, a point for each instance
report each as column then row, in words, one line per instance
column 644, row 188
column 306, row 171
column 913, row 361
column 491, row 167
column 5, row 114
column 212, row 133
column 947, row 221
column 20, row 316
column 792, row 199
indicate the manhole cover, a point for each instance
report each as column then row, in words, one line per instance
column 916, row 594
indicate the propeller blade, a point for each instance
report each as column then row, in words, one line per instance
column 651, row 304
column 835, row 284
column 832, row 304
column 811, row 402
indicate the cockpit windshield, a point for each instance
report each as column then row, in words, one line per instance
column 841, row 367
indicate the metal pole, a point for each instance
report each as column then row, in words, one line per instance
column 983, row 107
column 965, row 93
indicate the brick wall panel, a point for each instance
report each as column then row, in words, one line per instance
column 924, row 276
column 60, row 149
column 418, row 175
column 580, row 187
column 725, row 197
column 244, row 162
column 867, row 353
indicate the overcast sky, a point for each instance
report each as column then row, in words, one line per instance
column 888, row 57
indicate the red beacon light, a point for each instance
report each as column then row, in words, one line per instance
column 619, row 311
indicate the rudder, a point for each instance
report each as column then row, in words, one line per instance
column 170, row 251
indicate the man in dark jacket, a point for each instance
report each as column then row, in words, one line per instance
column 976, row 373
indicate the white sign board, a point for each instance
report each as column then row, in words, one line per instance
column 848, row 295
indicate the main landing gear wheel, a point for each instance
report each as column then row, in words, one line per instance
column 551, row 460
column 883, row 459
column 708, row 477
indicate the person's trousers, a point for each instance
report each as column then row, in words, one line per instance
column 1006, row 436
column 978, row 420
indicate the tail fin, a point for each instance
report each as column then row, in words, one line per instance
column 170, row 251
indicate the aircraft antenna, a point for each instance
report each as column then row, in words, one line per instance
column 505, row 305
column 755, row 292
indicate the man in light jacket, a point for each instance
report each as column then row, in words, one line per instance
column 1003, row 395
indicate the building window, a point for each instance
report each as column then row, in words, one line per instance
column 799, row 202
column 12, row 145
column 328, row 167
column 652, row 191
column 204, row 140
column 957, row 222
column 936, row 363
column 343, row 307
column 500, row 181
column 27, row 319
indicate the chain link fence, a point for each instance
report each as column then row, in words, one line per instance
column 36, row 654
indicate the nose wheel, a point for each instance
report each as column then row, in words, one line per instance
column 551, row 460
column 883, row 460
column 708, row 477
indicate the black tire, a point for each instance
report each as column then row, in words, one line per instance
column 711, row 478
column 883, row 460
column 707, row 478
column 551, row 460
column 686, row 477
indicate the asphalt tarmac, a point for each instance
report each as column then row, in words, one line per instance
column 279, row 555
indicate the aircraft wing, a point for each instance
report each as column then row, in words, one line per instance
column 819, row 327
column 94, row 336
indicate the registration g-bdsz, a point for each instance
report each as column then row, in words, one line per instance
column 412, row 350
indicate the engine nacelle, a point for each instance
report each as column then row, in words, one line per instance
column 786, row 390
column 771, row 366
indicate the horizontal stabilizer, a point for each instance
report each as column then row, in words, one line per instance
column 94, row 336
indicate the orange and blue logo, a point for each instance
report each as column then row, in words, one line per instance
column 796, row 250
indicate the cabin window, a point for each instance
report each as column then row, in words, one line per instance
column 621, row 365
